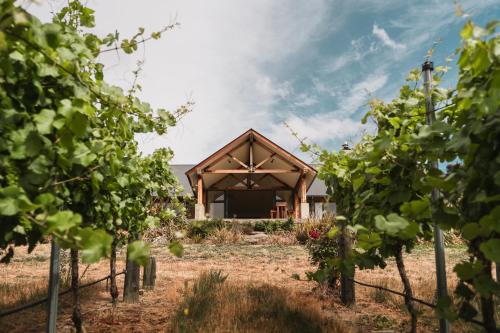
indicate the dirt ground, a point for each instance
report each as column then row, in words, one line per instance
column 374, row 311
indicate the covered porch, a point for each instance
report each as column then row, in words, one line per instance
column 251, row 178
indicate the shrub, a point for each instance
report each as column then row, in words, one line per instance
column 202, row 229
column 225, row 236
column 322, row 249
column 272, row 226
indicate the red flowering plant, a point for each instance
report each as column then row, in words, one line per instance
column 314, row 233
column 323, row 246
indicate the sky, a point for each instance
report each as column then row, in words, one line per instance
column 256, row 64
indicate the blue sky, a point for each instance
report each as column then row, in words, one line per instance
column 245, row 64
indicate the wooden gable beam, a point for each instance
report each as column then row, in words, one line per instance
column 277, row 155
column 242, row 171
column 238, row 161
column 237, row 179
column 219, row 181
column 265, row 160
column 218, row 159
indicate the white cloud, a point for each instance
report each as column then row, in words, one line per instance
column 360, row 48
column 318, row 129
column 386, row 40
column 361, row 92
column 220, row 57
column 304, row 100
column 268, row 88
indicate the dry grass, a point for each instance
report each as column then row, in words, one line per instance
column 259, row 266
column 281, row 238
column 15, row 293
column 247, row 308
column 225, row 236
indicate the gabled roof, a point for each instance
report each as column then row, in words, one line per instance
column 251, row 153
column 317, row 188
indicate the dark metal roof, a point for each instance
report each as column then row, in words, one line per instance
column 318, row 188
column 179, row 171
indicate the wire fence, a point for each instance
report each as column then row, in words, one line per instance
column 431, row 305
column 41, row 301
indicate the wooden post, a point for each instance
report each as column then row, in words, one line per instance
column 132, row 276
column 296, row 205
column 149, row 276
column 200, row 190
column 303, row 190
column 347, row 291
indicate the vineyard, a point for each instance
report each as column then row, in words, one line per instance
column 90, row 209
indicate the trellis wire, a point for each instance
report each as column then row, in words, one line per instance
column 41, row 301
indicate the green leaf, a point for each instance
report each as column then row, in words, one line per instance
column 467, row 271
column 470, row 231
column 176, row 248
column 45, row 199
column 491, row 249
column 444, row 309
column 43, row 120
column 47, row 70
column 152, row 221
column 392, row 225
column 33, row 144
column 332, row 232
column 368, row 241
column 62, row 221
column 82, row 155
column 466, row 32
column 79, row 123
column 52, row 33
column 416, row 209
column 8, row 207
column 94, row 244
column 357, row 183
column 398, row 197
column 17, row 56
column 373, row 170
column 138, row 252
column 482, row 197
column 481, row 61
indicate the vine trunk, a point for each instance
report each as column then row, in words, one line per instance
column 77, row 315
column 407, row 289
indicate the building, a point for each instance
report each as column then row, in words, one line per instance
column 253, row 178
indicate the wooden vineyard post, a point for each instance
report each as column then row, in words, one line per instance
column 149, row 276
column 347, row 293
column 132, row 277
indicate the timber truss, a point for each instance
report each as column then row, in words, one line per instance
column 251, row 162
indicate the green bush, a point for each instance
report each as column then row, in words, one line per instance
column 272, row 226
column 322, row 249
column 204, row 228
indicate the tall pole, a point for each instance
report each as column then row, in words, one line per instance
column 53, row 288
column 347, row 288
column 442, row 289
